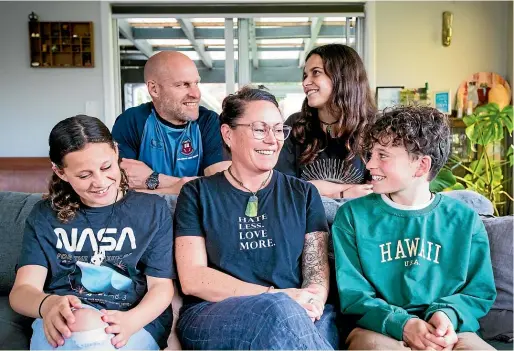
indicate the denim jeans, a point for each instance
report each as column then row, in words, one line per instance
column 95, row 339
column 265, row 321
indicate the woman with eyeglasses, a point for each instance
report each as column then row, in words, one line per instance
column 251, row 244
column 324, row 146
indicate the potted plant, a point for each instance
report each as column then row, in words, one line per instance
column 485, row 175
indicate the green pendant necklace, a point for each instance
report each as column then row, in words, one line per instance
column 329, row 126
column 253, row 202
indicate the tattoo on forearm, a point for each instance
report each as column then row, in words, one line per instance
column 315, row 259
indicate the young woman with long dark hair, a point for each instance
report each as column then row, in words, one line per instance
column 324, row 146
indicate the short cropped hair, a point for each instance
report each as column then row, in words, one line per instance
column 234, row 105
column 422, row 130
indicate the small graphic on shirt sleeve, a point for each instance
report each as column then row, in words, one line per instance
column 156, row 144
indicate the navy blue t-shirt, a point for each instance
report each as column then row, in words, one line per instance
column 330, row 164
column 104, row 254
column 175, row 150
column 265, row 250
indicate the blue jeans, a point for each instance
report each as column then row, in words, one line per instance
column 265, row 321
column 91, row 340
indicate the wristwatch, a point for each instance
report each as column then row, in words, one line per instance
column 152, row 182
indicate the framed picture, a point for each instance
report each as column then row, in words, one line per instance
column 442, row 101
column 414, row 97
column 387, row 96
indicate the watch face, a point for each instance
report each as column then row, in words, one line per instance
column 152, row 182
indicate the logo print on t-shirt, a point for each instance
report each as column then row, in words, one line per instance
column 157, row 144
column 187, row 147
column 333, row 170
column 253, row 233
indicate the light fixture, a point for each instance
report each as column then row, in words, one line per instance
column 447, row 28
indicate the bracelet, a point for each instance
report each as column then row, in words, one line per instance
column 270, row 288
column 41, row 304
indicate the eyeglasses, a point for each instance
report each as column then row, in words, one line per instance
column 260, row 130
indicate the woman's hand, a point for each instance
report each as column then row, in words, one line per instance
column 357, row 190
column 307, row 298
column 320, row 298
column 121, row 324
column 56, row 312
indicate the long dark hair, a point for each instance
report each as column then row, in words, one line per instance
column 69, row 135
column 351, row 100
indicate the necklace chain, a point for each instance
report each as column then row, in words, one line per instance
column 108, row 219
column 390, row 198
column 328, row 124
column 241, row 183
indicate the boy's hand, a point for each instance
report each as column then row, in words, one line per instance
column 444, row 334
column 414, row 334
column 121, row 324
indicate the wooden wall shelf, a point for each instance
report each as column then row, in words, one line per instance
column 61, row 44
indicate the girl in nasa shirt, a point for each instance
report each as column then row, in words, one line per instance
column 96, row 265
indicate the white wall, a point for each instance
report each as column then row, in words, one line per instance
column 409, row 49
column 33, row 100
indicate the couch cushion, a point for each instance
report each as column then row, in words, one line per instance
column 498, row 322
column 14, row 209
column 476, row 201
column 15, row 330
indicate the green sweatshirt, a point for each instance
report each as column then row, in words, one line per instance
column 393, row 265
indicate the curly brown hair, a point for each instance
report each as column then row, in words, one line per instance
column 422, row 130
column 351, row 100
column 69, row 135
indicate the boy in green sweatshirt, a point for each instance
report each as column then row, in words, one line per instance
column 413, row 268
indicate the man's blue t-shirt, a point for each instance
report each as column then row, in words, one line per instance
column 265, row 250
column 174, row 150
column 104, row 254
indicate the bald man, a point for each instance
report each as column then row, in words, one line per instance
column 171, row 140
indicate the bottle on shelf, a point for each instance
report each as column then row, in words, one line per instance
column 469, row 110
column 460, row 104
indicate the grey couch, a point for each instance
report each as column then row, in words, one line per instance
column 15, row 330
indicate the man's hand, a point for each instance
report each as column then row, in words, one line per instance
column 177, row 186
column 121, row 324
column 137, row 172
column 444, row 334
column 415, row 332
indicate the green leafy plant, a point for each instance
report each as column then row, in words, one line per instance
column 486, row 128
column 443, row 181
